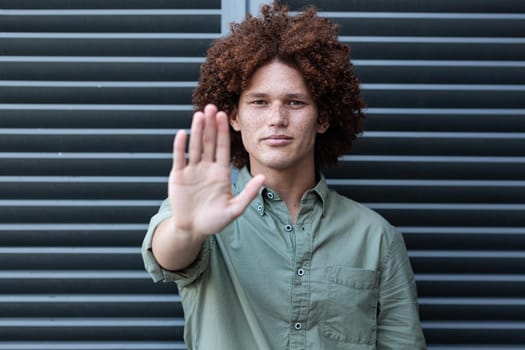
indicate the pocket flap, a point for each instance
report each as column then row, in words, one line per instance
column 353, row 277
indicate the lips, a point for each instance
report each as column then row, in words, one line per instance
column 277, row 140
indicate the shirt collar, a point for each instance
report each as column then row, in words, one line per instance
column 321, row 190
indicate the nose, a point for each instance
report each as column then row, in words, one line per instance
column 278, row 115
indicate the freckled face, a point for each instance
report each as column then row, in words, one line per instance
column 277, row 119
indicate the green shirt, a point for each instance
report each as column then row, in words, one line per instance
column 339, row 278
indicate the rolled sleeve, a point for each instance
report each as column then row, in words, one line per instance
column 183, row 277
column 398, row 319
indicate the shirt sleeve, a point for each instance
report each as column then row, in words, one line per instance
column 398, row 315
column 183, row 277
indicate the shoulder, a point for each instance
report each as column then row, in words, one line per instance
column 359, row 216
column 338, row 204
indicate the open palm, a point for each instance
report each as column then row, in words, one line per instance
column 199, row 190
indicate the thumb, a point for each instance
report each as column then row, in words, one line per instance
column 243, row 199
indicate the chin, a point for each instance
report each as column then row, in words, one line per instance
column 280, row 164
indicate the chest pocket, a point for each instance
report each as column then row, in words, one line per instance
column 351, row 309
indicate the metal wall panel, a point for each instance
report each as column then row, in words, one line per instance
column 90, row 95
column 442, row 155
column 92, row 91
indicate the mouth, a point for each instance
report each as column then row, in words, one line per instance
column 277, row 137
column 277, row 140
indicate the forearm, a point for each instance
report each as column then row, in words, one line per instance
column 174, row 250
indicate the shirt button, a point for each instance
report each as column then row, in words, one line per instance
column 259, row 208
column 288, row 228
column 298, row 325
column 270, row 195
column 300, row 272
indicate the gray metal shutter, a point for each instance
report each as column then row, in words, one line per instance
column 443, row 154
column 92, row 91
column 90, row 95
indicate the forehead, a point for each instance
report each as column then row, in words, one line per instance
column 276, row 77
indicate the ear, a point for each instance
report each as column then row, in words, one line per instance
column 234, row 121
column 322, row 126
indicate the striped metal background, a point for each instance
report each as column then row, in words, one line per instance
column 92, row 91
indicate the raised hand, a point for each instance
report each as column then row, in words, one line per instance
column 199, row 191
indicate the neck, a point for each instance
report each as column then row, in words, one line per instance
column 290, row 185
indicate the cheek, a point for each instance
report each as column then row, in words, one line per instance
column 250, row 125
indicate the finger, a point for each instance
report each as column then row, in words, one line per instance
column 243, row 199
column 179, row 150
column 223, row 155
column 195, row 147
column 210, row 133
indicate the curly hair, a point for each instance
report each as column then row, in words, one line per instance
column 305, row 42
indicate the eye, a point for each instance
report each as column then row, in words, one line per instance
column 296, row 103
column 258, row 102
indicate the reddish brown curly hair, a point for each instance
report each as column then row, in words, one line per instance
column 307, row 43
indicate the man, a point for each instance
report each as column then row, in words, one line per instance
column 278, row 260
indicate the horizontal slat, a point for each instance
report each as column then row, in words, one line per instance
column 440, row 72
column 85, row 165
column 434, row 24
column 424, row 49
column 92, row 345
column 76, row 211
column 83, row 188
column 468, row 262
column 437, row 191
column 103, row 92
column 490, row 309
column 444, row 96
column 81, row 282
column 468, row 6
column 470, row 285
column 447, row 214
column 463, row 238
column 100, row 21
column 472, row 332
column 370, row 167
column 90, row 140
column 92, row 328
column 445, row 119
column 71, row 258
column 110, row 69
column 101, row 116
column 413, row 167
column 439, row 143
column 84, row 234
column 111, row 4
column 106, row 46
column 90, row 305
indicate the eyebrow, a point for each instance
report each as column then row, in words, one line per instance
column 291, row 95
